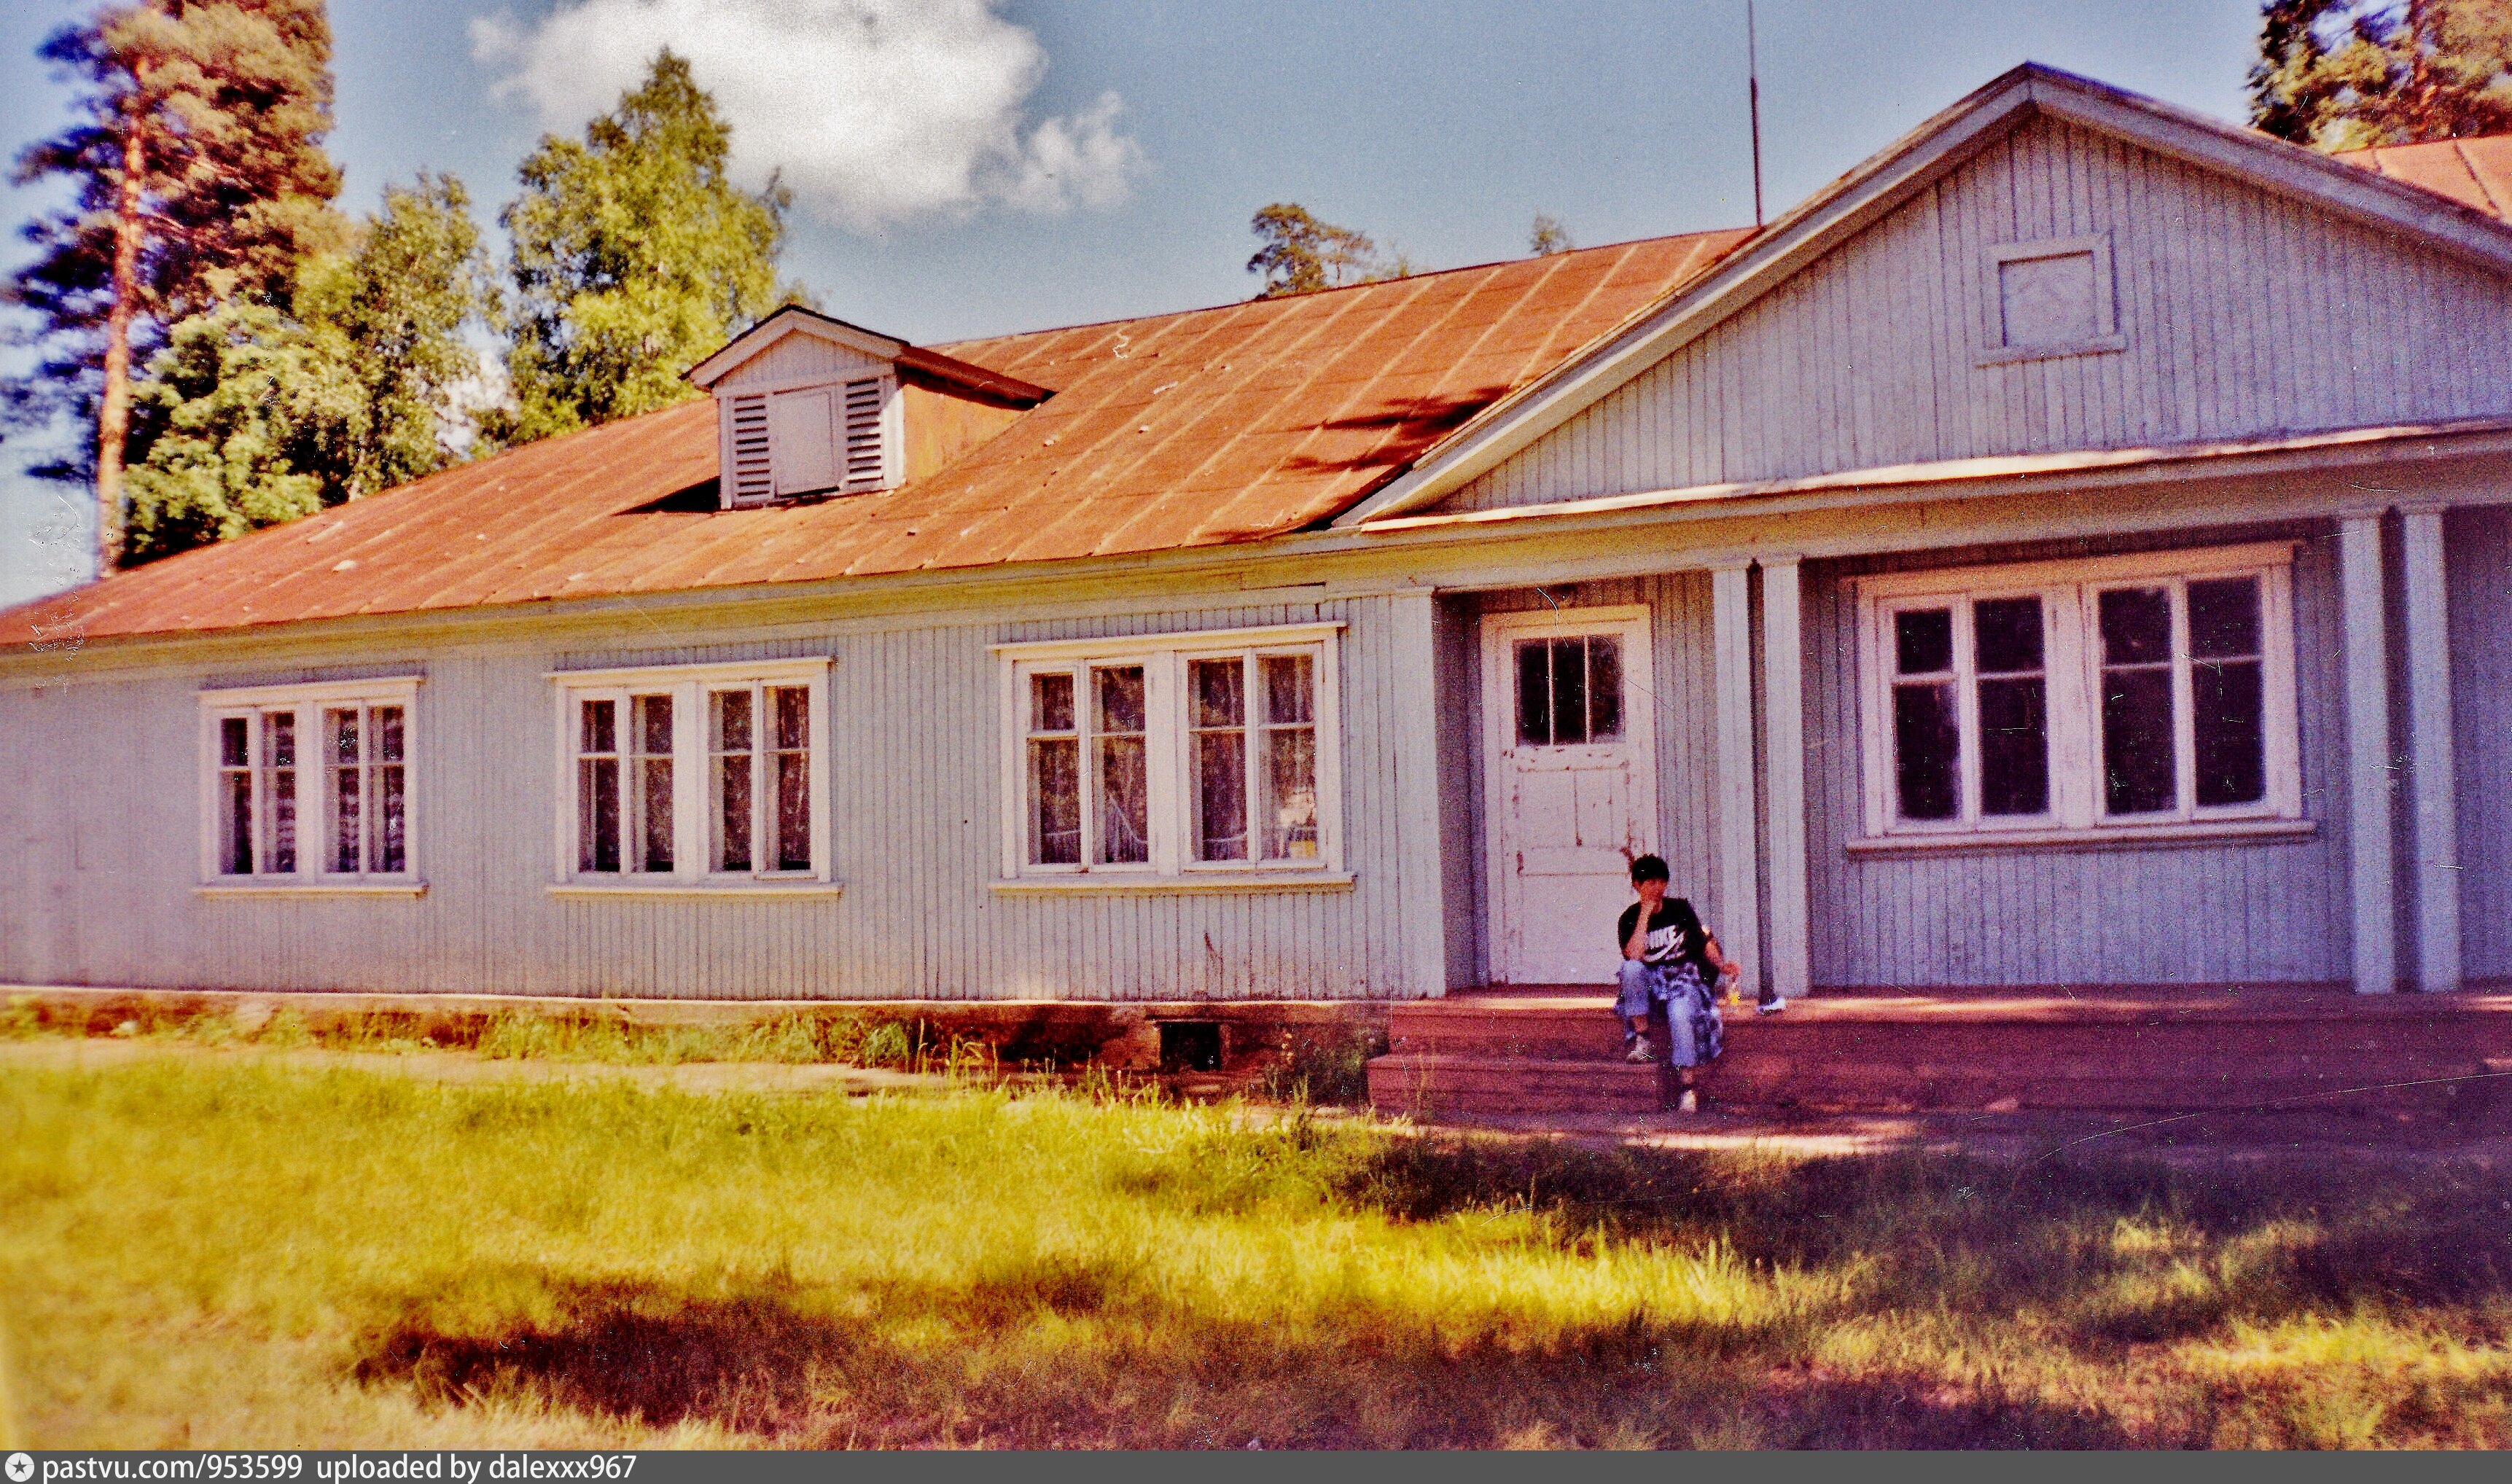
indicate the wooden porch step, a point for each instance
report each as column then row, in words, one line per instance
column 1436, row 1084
column 1742, row 1081
column 2120, row 1052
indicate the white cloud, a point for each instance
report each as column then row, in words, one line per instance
column 876, row 111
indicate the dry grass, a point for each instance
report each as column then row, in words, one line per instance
column 838, row 1033
column 221, row 1251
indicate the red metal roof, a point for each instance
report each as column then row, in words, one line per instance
column 1199, row 428
column 2475, row 172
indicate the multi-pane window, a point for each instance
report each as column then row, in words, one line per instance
column 1055, row 770
column 1252, row 718
column 1971, row 708
column 1569, row 691
column 1173, row 756
column 366, row 789
column 2119, row 691
column 309, row 785
column 703, row 773
column 2184, row 708
column 1121, row 771
column 624, row 785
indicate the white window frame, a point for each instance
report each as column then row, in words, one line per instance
column 688, row 687
column 1169, row 754
column 308, row 702
column 2071, row 661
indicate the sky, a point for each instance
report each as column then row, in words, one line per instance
column 978, row 167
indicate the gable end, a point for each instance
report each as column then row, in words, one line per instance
column 2063, row 291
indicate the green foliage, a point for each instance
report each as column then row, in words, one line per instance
column 251, row 411
column 635, row 256
column 1302, row 254
column 227, row 101
column 2344, row 74
column 1548, row 236
column 211, row 1249
column 254, row 415
column 401, row 302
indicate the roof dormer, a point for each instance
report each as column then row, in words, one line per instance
column 808, row 406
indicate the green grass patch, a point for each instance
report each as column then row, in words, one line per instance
column 232, row 1252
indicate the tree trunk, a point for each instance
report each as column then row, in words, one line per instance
column 113, row 415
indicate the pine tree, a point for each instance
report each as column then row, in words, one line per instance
column 635, row 257
column 200, row 179
column 2342, row 74
column 1302, row 254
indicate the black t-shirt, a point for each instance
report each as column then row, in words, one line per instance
column 1675, row 934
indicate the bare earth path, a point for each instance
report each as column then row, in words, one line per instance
column 2200, row 1138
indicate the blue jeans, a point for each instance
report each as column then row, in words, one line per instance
column 1692, row 1021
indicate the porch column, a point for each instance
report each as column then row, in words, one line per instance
column 1784, row 746
column 1414, row 716
column 1738, row 920
column 2435, row 796
column 2372, row 879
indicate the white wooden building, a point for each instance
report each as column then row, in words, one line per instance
column 2071, row 549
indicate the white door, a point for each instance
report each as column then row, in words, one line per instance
column 1573, row 789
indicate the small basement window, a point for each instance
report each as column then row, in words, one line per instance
column 1190, row 1045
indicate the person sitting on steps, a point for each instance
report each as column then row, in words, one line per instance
column 1671, row 959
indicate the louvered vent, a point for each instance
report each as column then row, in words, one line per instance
column 864, row 463
column 754, row 474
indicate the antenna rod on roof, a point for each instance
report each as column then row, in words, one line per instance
column 1753, row 106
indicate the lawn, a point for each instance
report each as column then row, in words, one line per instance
column 216, row 1249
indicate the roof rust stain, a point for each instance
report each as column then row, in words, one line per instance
column 1199, row 428
column 2475, row 172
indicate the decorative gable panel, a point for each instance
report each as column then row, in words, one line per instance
column 2054, row 297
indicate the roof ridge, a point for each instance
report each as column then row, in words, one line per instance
column 1285, row 299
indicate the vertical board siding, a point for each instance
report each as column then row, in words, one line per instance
column 2189, row 915
column 2245, row 313
column 797, row 357
column 1457, row 688
column 100, row 884
column 2477, row 546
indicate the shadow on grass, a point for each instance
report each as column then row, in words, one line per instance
column 1055, row 1354
column 2093, row 1239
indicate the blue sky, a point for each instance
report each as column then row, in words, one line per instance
column 966, row 167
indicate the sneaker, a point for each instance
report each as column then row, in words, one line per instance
column 1635, row 1048
column 1771, row 1006
column 1689, row 1103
